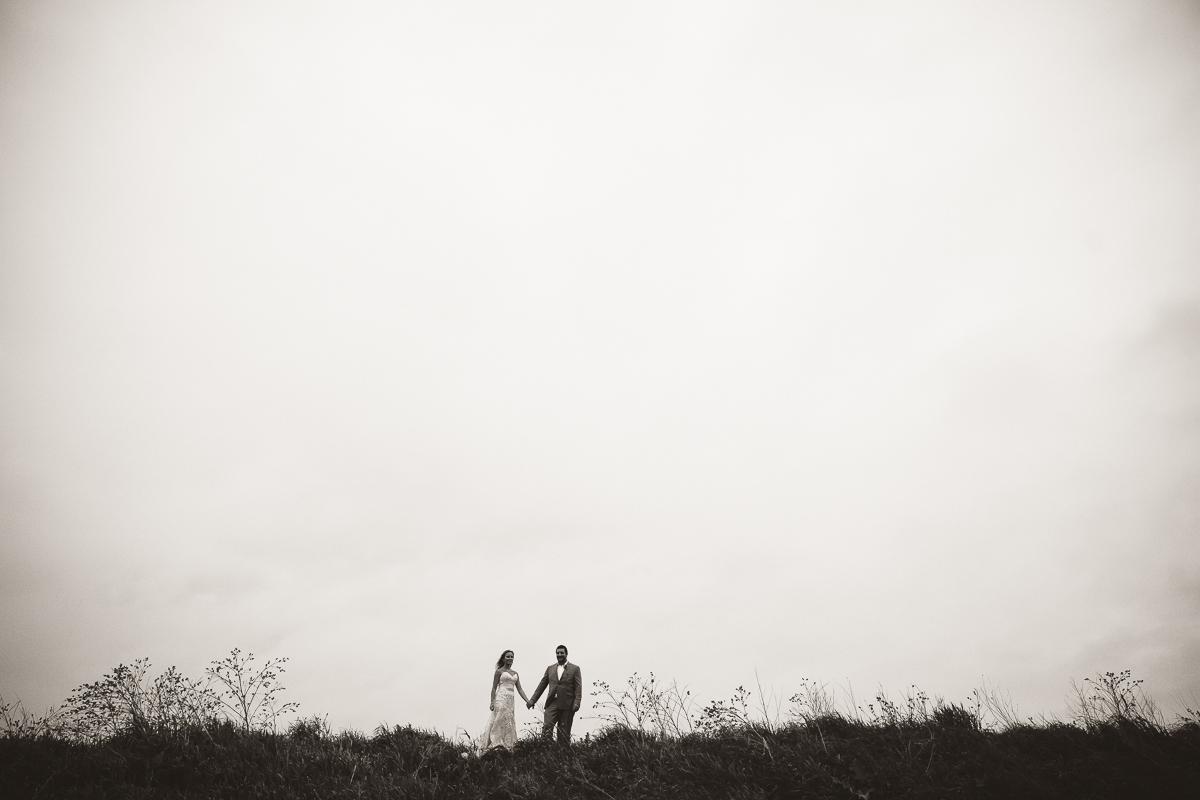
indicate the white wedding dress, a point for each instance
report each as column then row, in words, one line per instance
column 502, row 725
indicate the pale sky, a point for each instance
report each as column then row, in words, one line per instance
column 856, row 342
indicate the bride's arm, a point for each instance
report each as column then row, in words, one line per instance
column 522, row 691
column 495, row 683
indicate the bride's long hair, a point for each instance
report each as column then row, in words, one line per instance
column 500, row 661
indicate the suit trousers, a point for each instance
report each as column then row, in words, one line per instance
column 562, row 717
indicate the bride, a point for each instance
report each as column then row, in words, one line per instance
column 502, row 725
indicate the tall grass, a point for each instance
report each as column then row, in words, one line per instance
column 131, row 735
column 127, row 701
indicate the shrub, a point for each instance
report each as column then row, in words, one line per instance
column 1114, row 698
column 249, row 694
column 645, row 706
column 127, row 701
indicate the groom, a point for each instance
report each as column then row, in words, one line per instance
column 566, row 690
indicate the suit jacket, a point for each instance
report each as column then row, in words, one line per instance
column 565, row 694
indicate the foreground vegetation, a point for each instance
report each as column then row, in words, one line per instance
column 128, row 736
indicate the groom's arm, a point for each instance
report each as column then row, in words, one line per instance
column 541, row 687
column 577, row 682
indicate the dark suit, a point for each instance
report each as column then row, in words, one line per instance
column 563, row 700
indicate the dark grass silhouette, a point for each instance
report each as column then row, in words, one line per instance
column 651, row 745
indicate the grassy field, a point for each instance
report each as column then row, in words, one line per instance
column 119, row 738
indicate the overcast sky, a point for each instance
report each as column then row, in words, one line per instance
column 848, row 341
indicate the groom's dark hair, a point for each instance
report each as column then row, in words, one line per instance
column 562, row 647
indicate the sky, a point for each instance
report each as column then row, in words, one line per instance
column 741, row 342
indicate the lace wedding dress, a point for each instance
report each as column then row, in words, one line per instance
column 502, row 725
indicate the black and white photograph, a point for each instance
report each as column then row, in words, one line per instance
column 464, row 399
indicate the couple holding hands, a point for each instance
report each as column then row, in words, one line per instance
column 566, row 691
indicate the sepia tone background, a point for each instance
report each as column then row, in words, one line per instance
column 734, row 341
